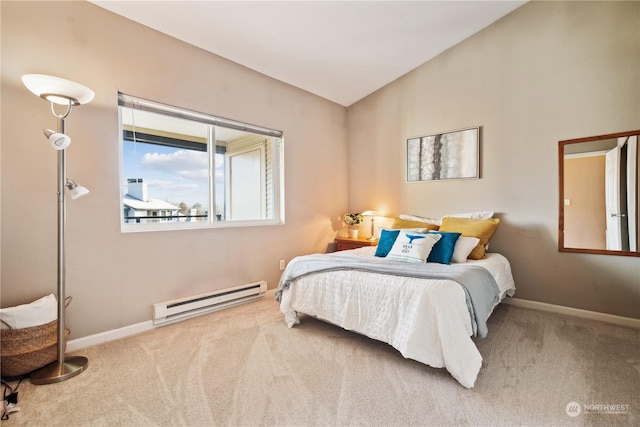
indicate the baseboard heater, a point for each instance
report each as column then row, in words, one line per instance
column 196, row 305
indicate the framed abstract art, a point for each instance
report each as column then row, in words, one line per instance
column 449, row 155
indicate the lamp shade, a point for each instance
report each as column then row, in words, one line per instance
column 59, row 141
column 370, row 213
column 57, row 90
column 78, row 192
column 75, row 190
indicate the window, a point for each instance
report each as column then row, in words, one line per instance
column 183, row 169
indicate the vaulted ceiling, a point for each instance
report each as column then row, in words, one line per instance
column 339, row 50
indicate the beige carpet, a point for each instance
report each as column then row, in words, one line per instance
column 244, row 367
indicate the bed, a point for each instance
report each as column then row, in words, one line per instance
column 429, row 312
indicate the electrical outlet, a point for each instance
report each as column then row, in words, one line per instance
column 12, row 398
column 281, row 264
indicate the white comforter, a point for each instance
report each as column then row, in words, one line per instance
column 430, row 324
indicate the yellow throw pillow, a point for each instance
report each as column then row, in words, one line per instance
column 405, row 223
column 483, row 229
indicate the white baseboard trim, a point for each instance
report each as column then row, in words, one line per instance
column 577, row 312
column 125, row 331
column 107, row 336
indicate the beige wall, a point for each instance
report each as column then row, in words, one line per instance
column 549, row 71
column 545, row 73
column 114, row 278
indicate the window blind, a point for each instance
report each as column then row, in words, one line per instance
column 133, row 102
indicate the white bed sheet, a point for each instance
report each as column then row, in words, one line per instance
column 425, row 320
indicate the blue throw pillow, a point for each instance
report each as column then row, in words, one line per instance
column 443, row 249
column 386, row 241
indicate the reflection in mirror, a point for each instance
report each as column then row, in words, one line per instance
column 182, row 169
column 599, row 204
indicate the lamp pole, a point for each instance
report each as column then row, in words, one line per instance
column 62, row 221
column 64, row 367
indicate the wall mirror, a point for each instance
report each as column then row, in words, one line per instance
column 598, row 203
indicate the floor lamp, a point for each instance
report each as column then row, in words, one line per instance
column 69, row 94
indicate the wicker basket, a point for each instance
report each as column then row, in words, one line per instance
column 27, row 349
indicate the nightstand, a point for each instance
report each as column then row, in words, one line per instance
column 345, row 243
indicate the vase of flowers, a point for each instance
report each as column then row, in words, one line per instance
column 353, row 220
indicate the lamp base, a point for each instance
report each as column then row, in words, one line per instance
column 56, row 372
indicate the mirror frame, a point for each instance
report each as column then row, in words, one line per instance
column 561, row 145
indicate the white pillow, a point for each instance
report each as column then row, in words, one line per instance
column 408, row 230
column 419, row 218
column 472, row 215
column 39, row 312
column 413, row 247
column 464, row 246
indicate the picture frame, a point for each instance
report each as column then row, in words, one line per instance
column 444, row 156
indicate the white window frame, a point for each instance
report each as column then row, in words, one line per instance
column 277, row 169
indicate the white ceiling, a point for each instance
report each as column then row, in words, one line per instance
column 339, row 50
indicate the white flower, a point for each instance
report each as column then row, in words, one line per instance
column 353, row 218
